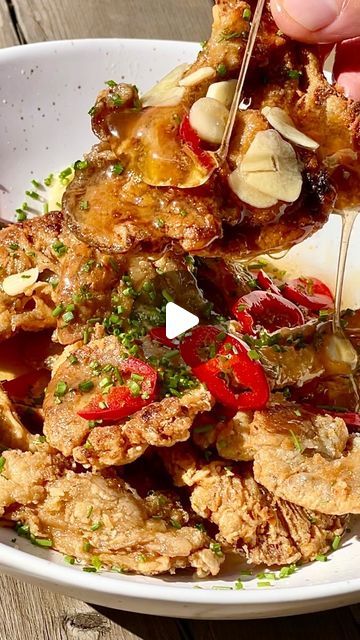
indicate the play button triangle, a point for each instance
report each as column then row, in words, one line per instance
column 178, row 320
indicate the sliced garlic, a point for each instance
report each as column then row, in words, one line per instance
column 18, row 282
column 281, row 179
column 166, row 90
column 204, row 73
column 209, row 117
column 170, row 98
column 222, row 91
column 247, row 193
column 281, row 121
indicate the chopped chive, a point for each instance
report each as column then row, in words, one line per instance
column 221, row 70
column 90, row 510
column 61, row 389
column 96, row 526
column 49, row 180
column 298, row 446
column 89, row 569
column 96, row 562
column 264, row 583
column 36, row 184
column 216, row 548
column 33, row 195
column 86, row 385
column 68, row 317
column 69, row 559
column 336, row 543
column 117, row 100
column 45, row 207
column 2, row 463
column 238, row 585
column 84, row 205
column 294, row 74
column 42, row 542
column 253, row 355
column 175, row 523
column 321, row 558
column 118, row 169
column 168, row 297
column 80, row 164
column 21, row 215
column 159, row 222
column 246, row 14
column 65, row 173
column 86, row 546
column 58, row 310
column 111, row 83
column 59, row 247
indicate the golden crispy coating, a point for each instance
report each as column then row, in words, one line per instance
column 160, row 423
column 308, row 459
column 249, row 518
column 101, row 520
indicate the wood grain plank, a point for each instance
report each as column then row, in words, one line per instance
column 172, row 19
column 37, row 614
column 8, row 36
column 328, row 625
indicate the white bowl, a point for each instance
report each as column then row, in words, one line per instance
column 45, row 92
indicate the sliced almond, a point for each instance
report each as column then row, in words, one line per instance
column 282, row 178
column 281, row 121
column 166, row 90
column 249, row 194
column 204, row 73
column 18, row 282
column 209, row 117
column 222, row 91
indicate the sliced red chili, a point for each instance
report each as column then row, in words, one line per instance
column 268, row 310
column 233, row 378
column 189, row 136
column 33, row 382
column 267, row 283
column 310, row 293
column 122, row 401
column 159, row 334
column 201, row 344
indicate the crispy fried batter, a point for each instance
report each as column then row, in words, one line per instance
column 308, row 459
column 161, row 423
column 102, row 519
column 22, row 247
column 249, row 518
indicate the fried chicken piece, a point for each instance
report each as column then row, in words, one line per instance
column 134, row 176
column 250, row 520
column 307, row 459
column 102, row 519
column 24, row 246
column 160, row 423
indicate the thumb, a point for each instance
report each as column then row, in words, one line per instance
column 318, row 21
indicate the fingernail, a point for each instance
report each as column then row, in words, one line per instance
column 312, row 14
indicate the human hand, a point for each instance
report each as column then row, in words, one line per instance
column 326, row 21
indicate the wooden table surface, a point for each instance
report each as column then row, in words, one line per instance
column 30, row 613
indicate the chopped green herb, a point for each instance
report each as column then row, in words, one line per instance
column 159, row 222
column 111, row 83
column 246, row 14
column 336, row 543
column 89, row 569
column 59, row 248
column 203, row 44
column 92, row 110
column 81, row 164
column 168, row 297
column 298, row 446
column 61, row 389
column 233, row 35
column 200, row 527
column 118, row 169
column 294, row 74
column 69, row 559
column 13, row 246
column 21, row 215
column 221, row 70
column 58, row 310
column 84, row 205
column 49, row 180
column 2, row 463
column 215, row 547
column 36, row 184
column 68, row 317
column 42, row 542
column 33, row 195
column 238, row 585
column 86, row 385
column 297, row 412
column 45, row 207
column 96, row 526
column 264, row 583
column 86, row 546
column 175, row 523
column 65, row 173
column 96, row 562
column 321, row 558
column 285, row 572
column 117, row 100
column 253, row 355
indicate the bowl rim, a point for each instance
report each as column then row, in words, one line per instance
column 13, row 560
